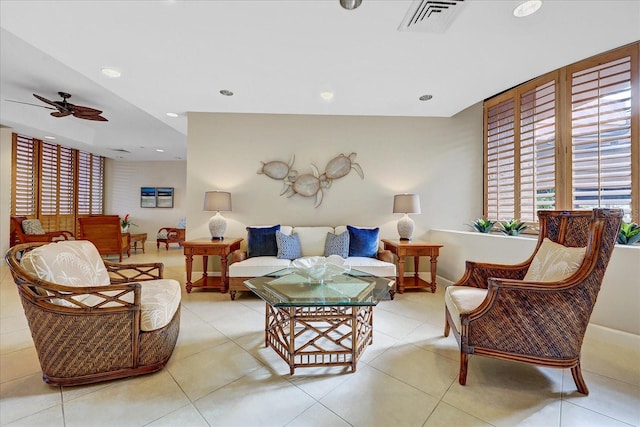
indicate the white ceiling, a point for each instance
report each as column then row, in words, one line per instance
column 276, row 56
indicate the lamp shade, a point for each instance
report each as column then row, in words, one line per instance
column 406, row 203
column 217, row 201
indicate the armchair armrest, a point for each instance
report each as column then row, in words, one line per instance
column 477, row 274
column 238, row 255
column 89, row 299
column 124, row 273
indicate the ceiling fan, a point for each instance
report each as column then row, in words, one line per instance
column 65, row 108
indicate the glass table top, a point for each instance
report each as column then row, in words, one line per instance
column 292, row 288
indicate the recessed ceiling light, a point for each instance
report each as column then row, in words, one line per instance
column 425, row 97
column 111, row 72
column 49, row 137
column 527, row 8
column 226, row 92
column 327, row 96
column 159, row 150
column 172, row 115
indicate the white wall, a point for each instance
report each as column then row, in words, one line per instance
column 122, row 188
column 438, row 158
column 5, row 187
column 618, row 304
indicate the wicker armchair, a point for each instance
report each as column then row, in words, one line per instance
column 498, row 311
column 17, row 233
column 101, row 324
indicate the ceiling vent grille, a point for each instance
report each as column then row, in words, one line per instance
column 430, row 16
column 120, row 150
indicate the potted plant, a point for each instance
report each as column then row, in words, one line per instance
column 482, row 225
column 125, row 223
column 513, row 227
column 629, row 233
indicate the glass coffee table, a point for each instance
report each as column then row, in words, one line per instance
column 311, row 323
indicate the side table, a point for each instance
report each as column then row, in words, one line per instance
column 205, row 248
column 135, row 238
column 405, row 248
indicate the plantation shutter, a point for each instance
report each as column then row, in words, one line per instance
column 500, row 156
column 601, row 136
column 537, row 150
column 24, row 166
column 90, row 183
column 56, row 187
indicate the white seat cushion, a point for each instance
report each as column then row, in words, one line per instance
column 372, row 266
column 462, row 299
column 159, row 301
column 257, row 266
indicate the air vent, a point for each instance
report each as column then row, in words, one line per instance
column 120, row 150
column 430, row 16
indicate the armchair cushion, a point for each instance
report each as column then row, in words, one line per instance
column 261, row 241
column 337, row 244
column 288, row 246
column 32, row 226
column 554, row 262
column 462, row 299
column 363, row 242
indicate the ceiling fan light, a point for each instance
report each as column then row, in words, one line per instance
column 350, row 4
column 111, row 72
column 527, row 8
column 172, row 115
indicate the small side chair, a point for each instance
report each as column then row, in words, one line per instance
column 24, row 230
column 536, row 312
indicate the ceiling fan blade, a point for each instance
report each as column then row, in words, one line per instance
column 28, row 103
column 46, row 101
column 84, row 110
column 60, row 113
column 95, row 117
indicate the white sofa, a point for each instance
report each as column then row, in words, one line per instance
column 312, row 243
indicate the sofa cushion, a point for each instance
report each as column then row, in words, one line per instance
column 554, row 262
column 372, row 266
column 257, row 266
column 312, row 239
column 462, row 299
column 337, row 244
column 261, row 241
column 32, row 226
column 288, row 246
column 363, row 242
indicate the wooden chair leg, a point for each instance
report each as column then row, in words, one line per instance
column 576, row 372
column 464, row 361
column 446, row 322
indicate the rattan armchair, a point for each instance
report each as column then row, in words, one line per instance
column 86, row 330
column 537, row 322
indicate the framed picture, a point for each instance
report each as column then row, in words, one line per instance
column 164, row 197
column 148, row 197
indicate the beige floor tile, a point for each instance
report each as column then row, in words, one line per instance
column 241, row 403
column 187, row 416
column 215, row 367
column 422, row 369
column 431, row 337
column 372, row 398
column 19, row 339
column 13, row 323
column 393, row 324
column 576, row 416
column 613, row 398
column 318, row 416
column 18, row 364
column 447, row 416
column 506, row 393
column 381, row 343
column 195, row 336
column 615, row 359
column 26, row 396
column 51, row 417
column 133, row 402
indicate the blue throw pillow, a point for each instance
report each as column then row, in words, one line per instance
column 363, row 242
column 261, row 241
column 288, row 246
column 337, row 244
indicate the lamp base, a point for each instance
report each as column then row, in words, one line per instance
column 405, row 227
column 217, row 226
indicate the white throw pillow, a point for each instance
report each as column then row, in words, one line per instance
column 554, row 262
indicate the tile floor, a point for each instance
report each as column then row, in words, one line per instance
column 222, row 375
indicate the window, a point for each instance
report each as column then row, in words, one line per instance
column 566, row 140
column 55, row 184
